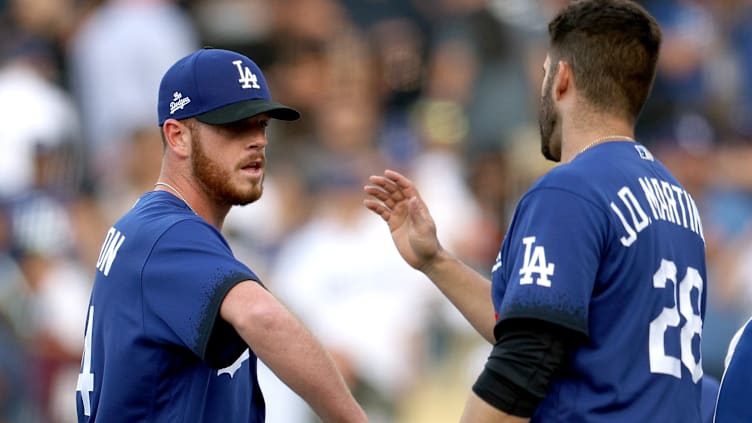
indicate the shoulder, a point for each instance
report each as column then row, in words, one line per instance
column 570, row 176
column 598, row 173
column 159, row 218
column 163, row 209
column 191, row 233
column 566, row 182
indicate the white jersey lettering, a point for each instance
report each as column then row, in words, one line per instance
column 107, row 254
column 667, row 202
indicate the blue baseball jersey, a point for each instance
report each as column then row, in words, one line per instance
column 610, row 246
column 155, row 347
column 710, row 386
column 733, row 404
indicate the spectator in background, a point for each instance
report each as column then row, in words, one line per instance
column 370, row 312
column 56, row 289
column 484, row 64
column 139, row 164
column 734, row 16
column 116, row 58
column 678, row 109
column 333, row 271
column 23, row 403
column 39, row 124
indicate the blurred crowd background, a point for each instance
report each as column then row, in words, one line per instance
column 443, row 90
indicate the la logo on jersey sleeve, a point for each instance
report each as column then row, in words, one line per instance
column 535, row 263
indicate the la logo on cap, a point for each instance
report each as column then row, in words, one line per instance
column 217, row 87
column 247, row 78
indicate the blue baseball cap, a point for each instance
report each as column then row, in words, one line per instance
column 216, row 87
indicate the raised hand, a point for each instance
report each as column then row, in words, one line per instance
column 394, row 198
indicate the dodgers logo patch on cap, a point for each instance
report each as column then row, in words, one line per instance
column 216, row 87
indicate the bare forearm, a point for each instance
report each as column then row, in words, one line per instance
column 302, row 363
column 478, row 411
column 468, row 290
column 281, row 341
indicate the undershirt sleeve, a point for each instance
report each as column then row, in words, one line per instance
column 525, row 358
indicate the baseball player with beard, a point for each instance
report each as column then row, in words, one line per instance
column 596, row 301
column 175, row 322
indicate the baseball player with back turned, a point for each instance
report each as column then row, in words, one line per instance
column 175, row 323
column 599, row 287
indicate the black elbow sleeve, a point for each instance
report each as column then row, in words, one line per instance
column 522, row 363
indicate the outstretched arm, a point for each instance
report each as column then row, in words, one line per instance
column 395, row 198
column 281, row 341
column 478, row 411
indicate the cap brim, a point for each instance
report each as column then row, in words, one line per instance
column 245, row 109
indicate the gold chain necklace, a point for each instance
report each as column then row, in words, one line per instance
column 175, row 190
column 607, row 138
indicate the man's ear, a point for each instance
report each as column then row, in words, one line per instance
column 177, row 137
column 563, row 80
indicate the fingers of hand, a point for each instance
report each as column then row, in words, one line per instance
column 378, row 208
column 387, row 192
column 398, row 179
column 389, row 187
column 378, row 195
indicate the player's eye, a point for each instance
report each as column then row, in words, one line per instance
column 243, row 126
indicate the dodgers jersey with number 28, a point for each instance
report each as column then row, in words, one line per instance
column 155, row 348
column 610, row 245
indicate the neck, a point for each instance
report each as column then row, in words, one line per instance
column 576, row 140
column 194, row 199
